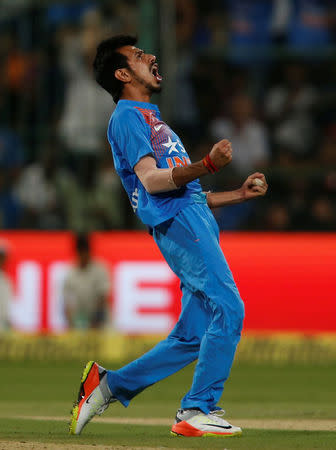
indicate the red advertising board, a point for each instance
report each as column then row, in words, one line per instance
column 287, row 281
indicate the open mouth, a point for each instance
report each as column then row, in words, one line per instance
column 155, row 73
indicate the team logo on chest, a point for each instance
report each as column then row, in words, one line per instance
column 171, row 146
column 181, row 159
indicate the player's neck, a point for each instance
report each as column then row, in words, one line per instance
column 136, row 95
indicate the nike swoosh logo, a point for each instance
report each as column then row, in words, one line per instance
column 218, row 426
column 157, row 127
column 87, row 400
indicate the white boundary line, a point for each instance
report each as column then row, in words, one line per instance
column 262, row 424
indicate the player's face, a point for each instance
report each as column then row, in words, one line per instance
column 143, row 68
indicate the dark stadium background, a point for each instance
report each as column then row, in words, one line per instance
column 268, row 66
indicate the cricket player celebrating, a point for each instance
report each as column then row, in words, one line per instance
column 164, row 191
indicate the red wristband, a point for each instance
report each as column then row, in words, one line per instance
column 209, row 165
column 206, row 165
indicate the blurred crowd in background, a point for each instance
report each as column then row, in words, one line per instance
column 261, row 73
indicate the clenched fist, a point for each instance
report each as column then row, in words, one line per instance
column 254, row 186
column 221, row 153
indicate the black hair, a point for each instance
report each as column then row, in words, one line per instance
column 82, row 242
column 108, row 60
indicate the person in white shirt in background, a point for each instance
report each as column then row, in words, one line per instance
column 86, row 289
column 6, row 289
column 247, row 135
column 87, row 110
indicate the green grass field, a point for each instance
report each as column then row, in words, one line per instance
column 36, row 398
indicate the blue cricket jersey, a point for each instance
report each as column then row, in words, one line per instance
column 136, row 130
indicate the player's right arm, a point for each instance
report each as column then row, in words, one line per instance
column 157, row 180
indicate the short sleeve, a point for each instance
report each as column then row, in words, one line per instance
column 132, row 135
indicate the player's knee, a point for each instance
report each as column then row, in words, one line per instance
column 230, row 317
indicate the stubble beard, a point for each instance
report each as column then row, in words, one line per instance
column 150, row 88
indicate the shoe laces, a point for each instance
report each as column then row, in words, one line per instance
column 103, row 407
column 217, row 416
column 218, row 412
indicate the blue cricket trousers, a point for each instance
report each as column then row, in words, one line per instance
column 210, row 324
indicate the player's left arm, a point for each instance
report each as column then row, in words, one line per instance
column 153, row 179
column 254, row 186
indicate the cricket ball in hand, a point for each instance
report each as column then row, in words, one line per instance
column 258, row 182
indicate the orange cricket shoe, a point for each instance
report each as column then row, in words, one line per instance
column 195, row 423
column 93, row 398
